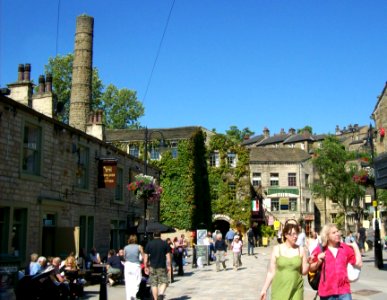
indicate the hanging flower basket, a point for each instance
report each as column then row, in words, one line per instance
column 145, row 188
column 363, row 177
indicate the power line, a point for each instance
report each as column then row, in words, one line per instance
column 158, row 52
column 57, row 29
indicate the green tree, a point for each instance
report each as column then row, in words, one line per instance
column 307, row 128
column 121, row 107
column 237, row 135
column 334, row 176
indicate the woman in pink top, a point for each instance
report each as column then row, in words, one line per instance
column 334, row 258
column 236, row 247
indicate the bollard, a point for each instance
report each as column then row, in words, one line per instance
column 194, row 262
column 102, row 287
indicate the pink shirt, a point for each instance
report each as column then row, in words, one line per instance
column 236, row 247
column 336, row 278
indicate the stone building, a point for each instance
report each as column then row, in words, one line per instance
column 283, row 175
column 63, row 188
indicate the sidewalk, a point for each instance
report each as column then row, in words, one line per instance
column 246, row 283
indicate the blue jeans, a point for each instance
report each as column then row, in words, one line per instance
column 250, row 246
column 338, row 297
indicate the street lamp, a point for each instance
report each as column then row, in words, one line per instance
column 377, row 242
column 147, row 138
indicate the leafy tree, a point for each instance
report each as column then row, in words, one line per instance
column 122, row 109
column 334, row 180
column 238, row 135
column 308, row 129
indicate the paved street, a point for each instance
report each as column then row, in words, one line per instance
column 246, row 283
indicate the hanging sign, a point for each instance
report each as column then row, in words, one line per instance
column 107, row 173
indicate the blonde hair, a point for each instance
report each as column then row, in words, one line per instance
column 324, row 234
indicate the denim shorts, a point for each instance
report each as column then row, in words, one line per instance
column 338, row 297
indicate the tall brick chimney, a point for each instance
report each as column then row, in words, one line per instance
column 82, row 73
column 22, row 89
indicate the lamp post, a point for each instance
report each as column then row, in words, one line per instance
column 377, row 242
column 147, row 138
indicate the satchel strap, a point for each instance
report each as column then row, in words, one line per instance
column 323, row 263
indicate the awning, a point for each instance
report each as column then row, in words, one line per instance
column 153, row 226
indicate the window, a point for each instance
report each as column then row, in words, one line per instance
column 86, row 232
column 231, row 159
column 82, row 173
column 274, row 179
column 256, row 180
column 134, row 150
column 306, row 180
column 119, row 183
column 117, row 234
column 155, row 153
column 174, row 149
column 293, row 204
column 32, row 149
column 292, row 179
column 274, row 204
column 13, row 229
column 214, row 159
column 232, row 190
column 307, row 205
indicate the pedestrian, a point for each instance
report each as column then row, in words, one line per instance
column 279, row 236
column 157, row 261
column 220, row 249
column 113, row 268
column 349, row 237
column 236, row 248
column 334, row 258
column 132, row 269
column 250, row 241
column 229, row 237
column 301, row 239
column 312, row 241
column 178, row 256
column 287, row 265
column 361, row 238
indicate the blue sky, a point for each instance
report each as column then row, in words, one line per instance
column 274, row 63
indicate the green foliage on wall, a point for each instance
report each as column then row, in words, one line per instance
column 234, row 203
column 185, row 202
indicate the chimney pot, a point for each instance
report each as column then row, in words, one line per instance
column 48, row 82
column 27, row 72
column 20, row 73
column 41, row 84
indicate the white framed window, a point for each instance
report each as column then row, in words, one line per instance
column 232, row 190
column 293, row 204
column 214, row 159
column 155, row 153
column 231, row 159
column 292, row 179
column 274, row 179
column 174, row 150
column 256, row 179
column 274, row 204
column 134, row 150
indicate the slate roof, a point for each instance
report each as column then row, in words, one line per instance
column 295, row 138
column 177, row 133
column 275, row 139
column 279, row 155
column 253, row 140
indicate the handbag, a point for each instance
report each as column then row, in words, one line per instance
column 314, row 277
column 353, row 273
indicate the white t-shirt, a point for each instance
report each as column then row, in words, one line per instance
column 236, row 246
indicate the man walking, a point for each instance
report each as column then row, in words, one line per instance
column 157, row 261
column 229, row 237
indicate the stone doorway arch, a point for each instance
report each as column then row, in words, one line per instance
column 222, row 223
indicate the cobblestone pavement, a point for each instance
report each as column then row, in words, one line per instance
column 246, row 283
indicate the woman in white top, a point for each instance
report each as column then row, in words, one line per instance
column 236, row 248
